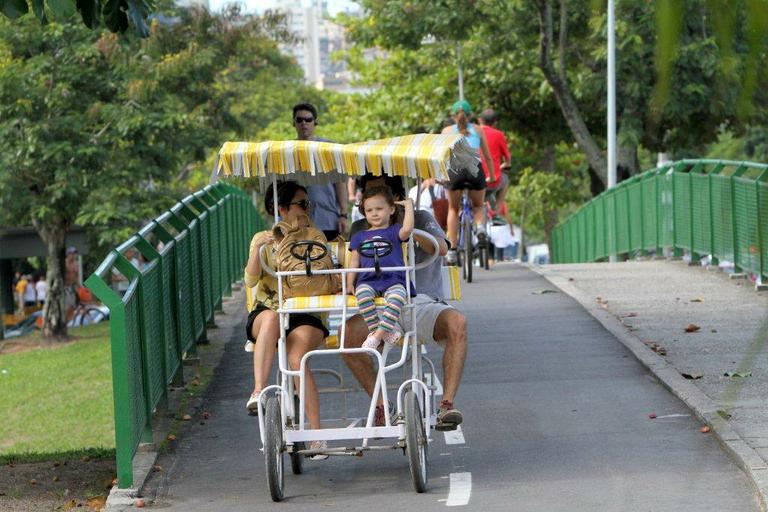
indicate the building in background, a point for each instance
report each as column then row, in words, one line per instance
column 318, row 39
column 192, row 3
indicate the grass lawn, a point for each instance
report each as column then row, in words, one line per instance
column 58, row 398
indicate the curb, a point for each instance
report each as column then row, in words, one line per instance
column 702, row 406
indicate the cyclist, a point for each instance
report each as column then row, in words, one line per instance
column 498, row 182
column 472, row 180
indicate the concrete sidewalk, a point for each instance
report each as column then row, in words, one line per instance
column 720, row 369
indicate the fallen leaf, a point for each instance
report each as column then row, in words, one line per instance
column 157, row 468
column 723, row 414
column 186, row 417
column 571, row 279
column 713, row 330
column 139, row 503
column 97, row 502
column 171, row 437
column 661, row 351
column 697, row 300
column 69, row 505
column 542, row 292
column 652, row 415
column 705, row 429
column 692, row 376
column 692, row 328
column 56, row 478
column 740, row 375
column 33, row 482
column 630, row 315
column 206, row 415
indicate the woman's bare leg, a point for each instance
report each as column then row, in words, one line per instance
column 266, row 331
column 300, row 341
column 454, row 203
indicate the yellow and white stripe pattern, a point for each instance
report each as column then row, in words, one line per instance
column 413, row 156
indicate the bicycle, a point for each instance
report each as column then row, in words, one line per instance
column 466, row 250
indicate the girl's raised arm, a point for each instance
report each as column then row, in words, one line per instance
column 407, row 229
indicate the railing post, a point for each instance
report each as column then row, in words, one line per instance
column 124, row 445
column 760, row 241
column 734, row 225
column 712, row 246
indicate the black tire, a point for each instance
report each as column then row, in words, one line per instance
column 273, row 448
column 416, row 442
column 468, row 256
column 297, row 460
column 484, row 257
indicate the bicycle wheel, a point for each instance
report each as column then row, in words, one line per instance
column 273, row 448
column 466, row 228
column 415, row 442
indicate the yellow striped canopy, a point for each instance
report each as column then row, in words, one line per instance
column 423, row 155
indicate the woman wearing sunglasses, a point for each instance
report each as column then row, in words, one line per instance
column 304, row 333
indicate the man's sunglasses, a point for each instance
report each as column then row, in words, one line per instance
column 304, row 119
column 304, row 204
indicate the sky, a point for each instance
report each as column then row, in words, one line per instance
column 334, row 6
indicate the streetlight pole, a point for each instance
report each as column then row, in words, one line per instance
column 461, row 71
column 611, row 111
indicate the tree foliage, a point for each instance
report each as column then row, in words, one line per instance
column 542, row 65
column 104, row 131
column 115, row 15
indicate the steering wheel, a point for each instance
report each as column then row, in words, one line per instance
column 307, row 257
column 375, row 249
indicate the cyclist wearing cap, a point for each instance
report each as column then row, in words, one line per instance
column 471, row 179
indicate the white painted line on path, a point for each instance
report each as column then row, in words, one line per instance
column 460, row 489
column 454, row 436
column 438, row 384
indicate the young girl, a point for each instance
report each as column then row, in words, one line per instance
column 378, row 206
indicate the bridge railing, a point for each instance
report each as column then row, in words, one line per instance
column 704, row 207
column 191, row 256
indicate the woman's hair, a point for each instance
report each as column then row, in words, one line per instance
column 462, row 121
column 286, row 191
column 384, row 192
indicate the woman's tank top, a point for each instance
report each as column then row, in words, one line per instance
column 472, row 137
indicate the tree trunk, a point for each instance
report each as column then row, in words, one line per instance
column 55, row 308
column 548, row 159
column 559, row 83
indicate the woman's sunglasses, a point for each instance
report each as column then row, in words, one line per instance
column 304, row 204
column 304, row 120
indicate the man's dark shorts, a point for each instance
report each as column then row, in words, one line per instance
column 464, row 179
column 296, row 320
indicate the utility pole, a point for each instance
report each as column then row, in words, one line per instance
column 461, row 71
column 611, row 110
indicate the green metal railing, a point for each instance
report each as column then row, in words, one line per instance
column 193, row 253
column 704, row 207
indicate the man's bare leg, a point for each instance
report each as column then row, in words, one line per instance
column 451, row 326
column 359, row 364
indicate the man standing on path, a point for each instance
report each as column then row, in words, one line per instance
column 434, row 318
column 328, row 208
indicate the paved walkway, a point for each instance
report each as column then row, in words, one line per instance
column 556, row 419
column 719, row 368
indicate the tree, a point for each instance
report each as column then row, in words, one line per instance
column 113, row 14
column 546, row 54
column 102, row 130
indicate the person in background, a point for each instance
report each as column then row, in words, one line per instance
column 328, row 202
column 30, row 296
column 21, row 285
column 41, row 290
column 497, row 145
column 474, row 180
